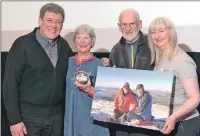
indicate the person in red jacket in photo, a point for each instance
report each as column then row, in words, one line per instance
column 124, row 102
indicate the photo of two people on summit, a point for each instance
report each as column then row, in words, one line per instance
column 134, row 107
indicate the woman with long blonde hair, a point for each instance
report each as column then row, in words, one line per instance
column 168, row 56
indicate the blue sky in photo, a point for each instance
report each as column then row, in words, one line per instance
column 115, row 77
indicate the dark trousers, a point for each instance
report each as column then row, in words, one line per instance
column 118, row 116
column 185, row 128
column 132, row 115
column 37, row 125
column 189, row 127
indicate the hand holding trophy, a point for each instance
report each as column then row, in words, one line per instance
column 82, row 77
column 82, row 81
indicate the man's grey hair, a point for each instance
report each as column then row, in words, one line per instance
column 52, row 7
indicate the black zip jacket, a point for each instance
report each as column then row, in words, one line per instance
column 31, row 83
column 119, row 55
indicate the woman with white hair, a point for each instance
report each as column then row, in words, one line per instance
column 81, row 76
column 169, row 57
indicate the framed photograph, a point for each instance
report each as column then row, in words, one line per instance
column 138, row 98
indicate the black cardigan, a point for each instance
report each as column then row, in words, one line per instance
column 31, row 83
